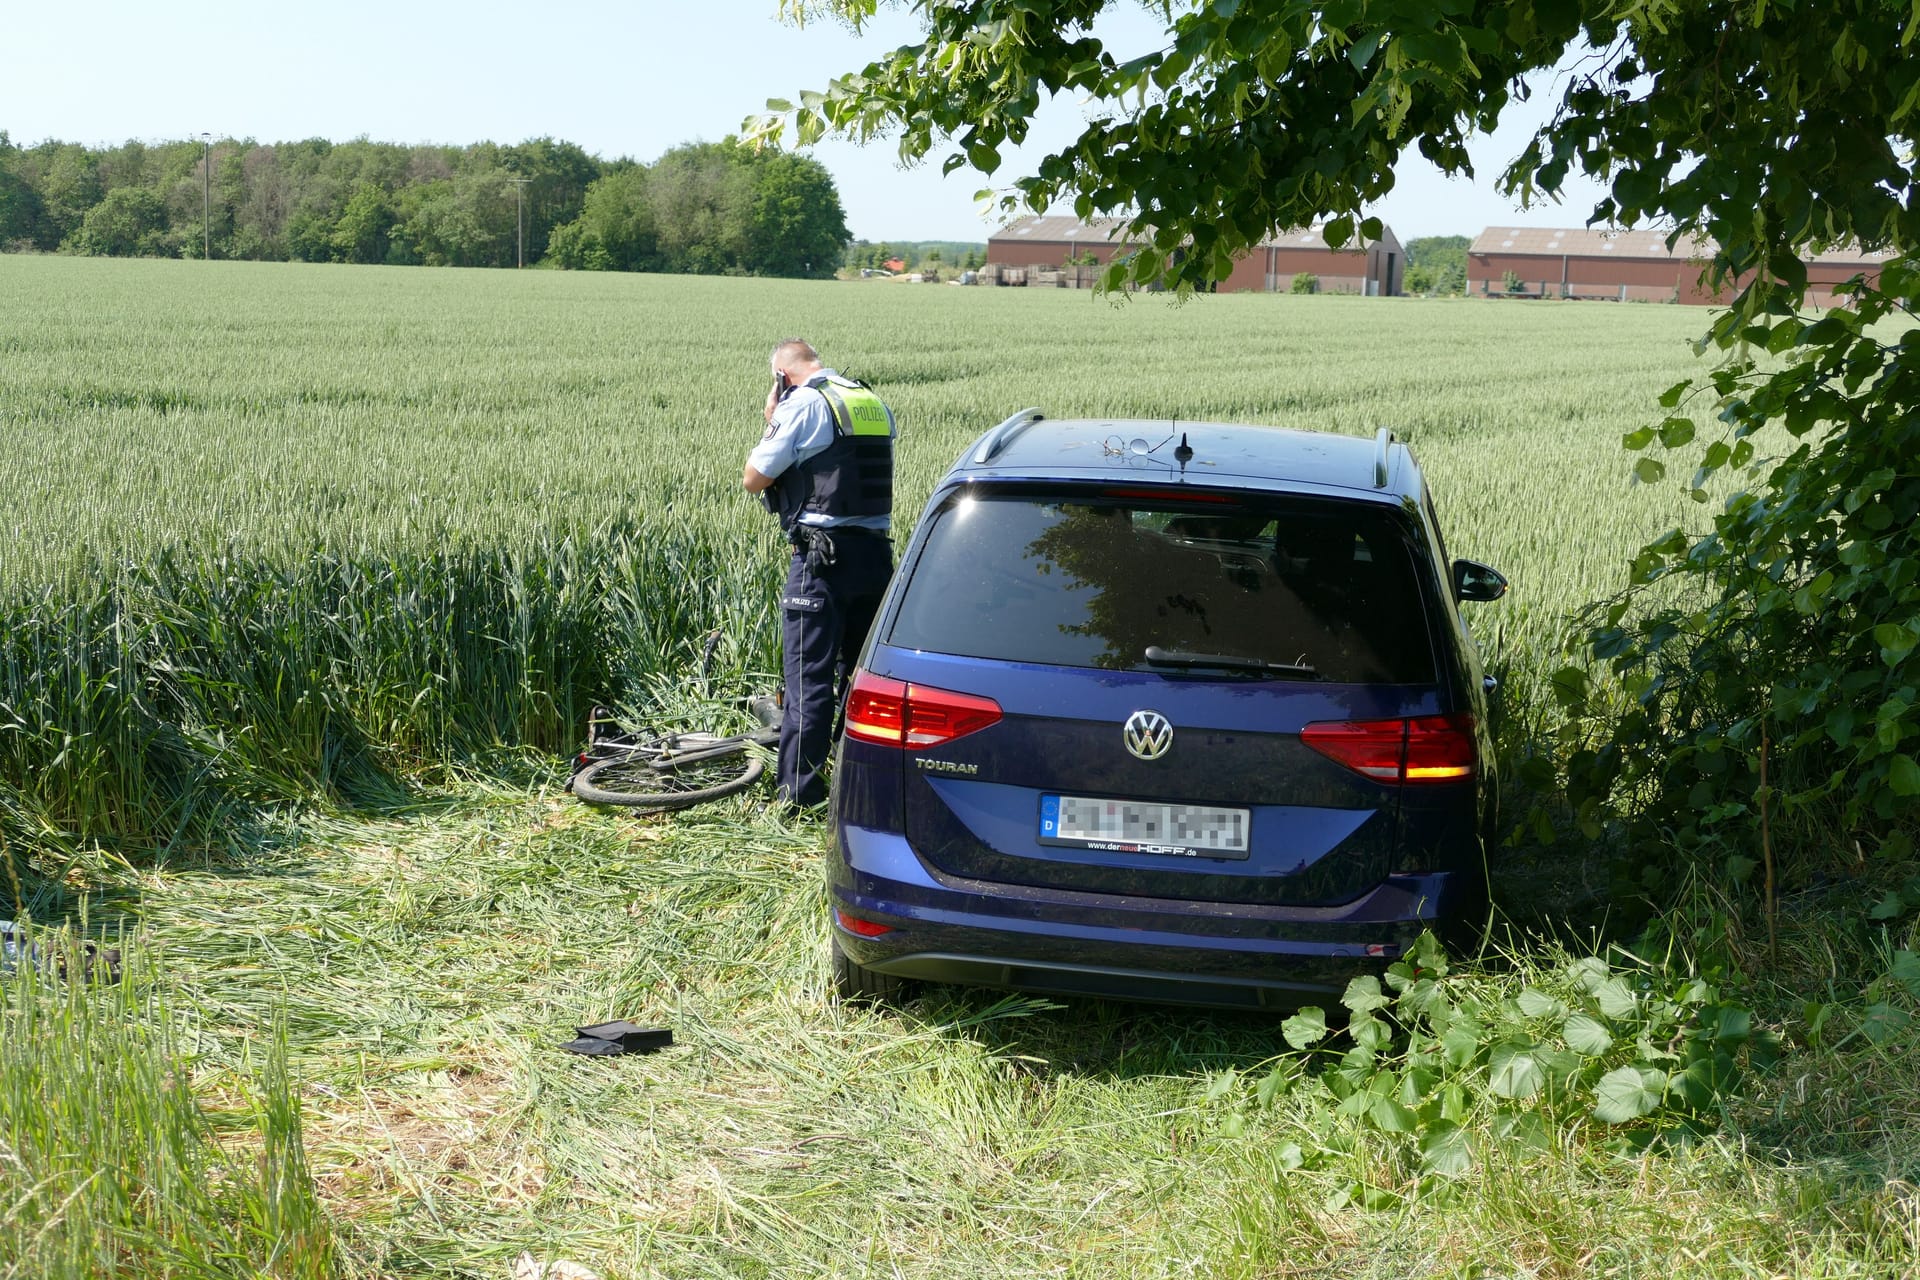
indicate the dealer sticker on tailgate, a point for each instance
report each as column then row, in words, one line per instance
column 1145, row 826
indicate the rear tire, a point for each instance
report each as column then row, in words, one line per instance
column 854, row 983
column 649, row 780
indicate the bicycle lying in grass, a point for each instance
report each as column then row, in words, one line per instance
column 671, row 770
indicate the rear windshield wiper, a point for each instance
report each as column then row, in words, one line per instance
column 1158, row 657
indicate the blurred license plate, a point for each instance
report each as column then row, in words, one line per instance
column 1144, row 826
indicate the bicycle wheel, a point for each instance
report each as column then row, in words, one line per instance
column 656, row 779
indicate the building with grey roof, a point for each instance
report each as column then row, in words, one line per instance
column 1625, row 266
column 1035, row 246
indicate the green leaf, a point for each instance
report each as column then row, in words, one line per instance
column 1590, row 972
column 780, row 105
column 1370, row 1032
column 1895, row 640
column 1637, row 439
column 1364, row 994
column 1649, row 470
column 1906, row 971
column 1883, row 1022
column 1378, row 1199
column 1538, row 1004
column 1460, row 1043
column 1515, row 1070
column 1526, row 1130
column 1731, row 1022
column 1445, row 1149
column 1305, row 1028
column 1389, row 1116
column 1903, row 776
column 1616, row 998
column 1587, row 1036
column 1675, row 432
column 1671, row 396
column 1890, row 907
column 1627, row 1093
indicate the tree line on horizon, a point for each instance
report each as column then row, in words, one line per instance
column 717, row 208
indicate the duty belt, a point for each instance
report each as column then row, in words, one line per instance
column 803, row 536
column 817, row 542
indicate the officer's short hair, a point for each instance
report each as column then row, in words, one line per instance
column 788, row 350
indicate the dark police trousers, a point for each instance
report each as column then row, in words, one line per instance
column 833, row 588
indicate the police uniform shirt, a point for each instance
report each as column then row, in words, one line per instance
column 802, row 426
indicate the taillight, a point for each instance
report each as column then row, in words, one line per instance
column 876, row 709
column 1421, row 749
column 893, row 713
column 865, row 928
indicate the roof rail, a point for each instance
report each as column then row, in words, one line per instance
column 1382, row 441
column 1002, row 436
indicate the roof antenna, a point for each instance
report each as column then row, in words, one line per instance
column 1183, row 452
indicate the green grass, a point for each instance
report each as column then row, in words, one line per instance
column 311, row 573
column 109, row 1163
column 426, row 967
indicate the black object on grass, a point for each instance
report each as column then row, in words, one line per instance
column 619, row 1037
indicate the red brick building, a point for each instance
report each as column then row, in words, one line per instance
column 1374, row 268
column 1624, row 266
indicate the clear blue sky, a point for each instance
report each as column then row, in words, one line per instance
column 618, row 78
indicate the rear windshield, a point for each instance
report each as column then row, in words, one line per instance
column 1327, row 589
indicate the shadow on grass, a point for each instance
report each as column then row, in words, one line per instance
column 48, row 878
column 1045, row 1036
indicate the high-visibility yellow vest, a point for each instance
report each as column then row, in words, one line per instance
column 853, row 476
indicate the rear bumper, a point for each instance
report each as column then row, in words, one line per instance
column 978, row 933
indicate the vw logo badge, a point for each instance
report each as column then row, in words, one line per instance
column 1148, row 734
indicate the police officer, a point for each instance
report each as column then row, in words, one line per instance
column 825, row 467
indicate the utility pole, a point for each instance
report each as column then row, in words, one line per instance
column 206, row 196
column 519, row 219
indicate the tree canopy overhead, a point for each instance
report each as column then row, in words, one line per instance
column 1764, row 126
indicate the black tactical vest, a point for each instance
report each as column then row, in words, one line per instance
column 853, row 476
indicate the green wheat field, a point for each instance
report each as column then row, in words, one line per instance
column 308, row 576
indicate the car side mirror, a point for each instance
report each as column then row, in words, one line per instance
column 1475, row 581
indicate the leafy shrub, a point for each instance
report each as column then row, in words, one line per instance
column 1765, row 674
column 1305, row 282
column 1448, row 1063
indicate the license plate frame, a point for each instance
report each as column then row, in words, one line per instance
column 1155, row 827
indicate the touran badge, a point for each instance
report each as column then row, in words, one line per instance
column 1148, row 734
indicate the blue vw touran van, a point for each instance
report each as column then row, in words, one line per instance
column 1183, row 713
